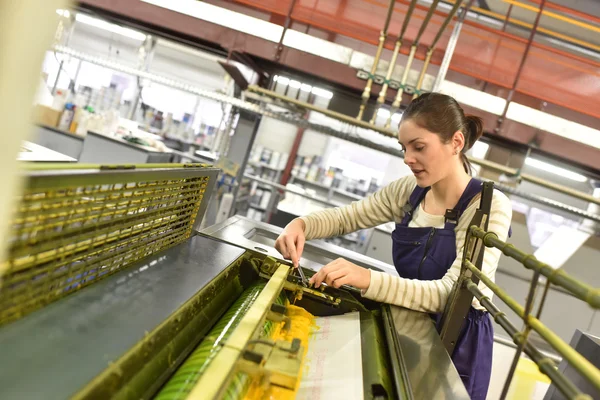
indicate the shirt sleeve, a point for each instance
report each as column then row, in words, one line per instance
column 382, row 206
column 431, row 296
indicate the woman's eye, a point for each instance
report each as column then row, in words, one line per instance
column 419, row 148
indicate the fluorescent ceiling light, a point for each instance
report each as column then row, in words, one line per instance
column 63, row 13
column 322, row 92
column 282, row 80
column 383, row 113
column 474, row 97
column 223, row 17
column 480, row 149
column 551, row 123
column 565, row 173
column 98, row 23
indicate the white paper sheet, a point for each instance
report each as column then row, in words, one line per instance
column 333, row 366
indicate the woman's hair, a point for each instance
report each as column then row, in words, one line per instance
column 441, row 114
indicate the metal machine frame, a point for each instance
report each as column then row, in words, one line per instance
column 76, row 224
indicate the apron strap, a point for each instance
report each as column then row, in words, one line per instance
column 452, row 216
column 417, row 195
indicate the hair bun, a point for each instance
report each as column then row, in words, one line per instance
column 474, row 130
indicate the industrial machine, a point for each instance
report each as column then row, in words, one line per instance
column 108, row 291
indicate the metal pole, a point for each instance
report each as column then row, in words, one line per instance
column 388, row 75
column 244, row 163
column 329, row 113
column 382, row 36
column 286, row 25
column 432, row 47
column 450, row 48
column 411, row 56
column 520, row 69
column 146, row 54
column 423, row 71
column 67, row 40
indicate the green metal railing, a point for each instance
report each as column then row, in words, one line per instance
column 471, row 274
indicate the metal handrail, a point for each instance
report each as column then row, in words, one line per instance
column 558, row 276
column 477, row 240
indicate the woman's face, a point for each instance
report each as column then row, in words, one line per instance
column 429, row 159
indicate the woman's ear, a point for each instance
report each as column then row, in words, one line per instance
column 458, row 141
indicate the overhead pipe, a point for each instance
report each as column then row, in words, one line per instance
column 511, row 93
column 437, row 37
column 382, row 36
column 388, row 75
column 411, row 57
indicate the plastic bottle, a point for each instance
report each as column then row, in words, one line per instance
column 67, row 117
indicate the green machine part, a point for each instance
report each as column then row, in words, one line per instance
column 185, row 378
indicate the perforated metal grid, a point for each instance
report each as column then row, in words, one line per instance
column 73, row 228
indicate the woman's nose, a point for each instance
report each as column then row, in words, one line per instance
column 408, row 159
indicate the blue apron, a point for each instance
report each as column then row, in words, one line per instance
column 426, row 254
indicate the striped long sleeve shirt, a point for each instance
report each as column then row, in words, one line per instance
column 385, row 206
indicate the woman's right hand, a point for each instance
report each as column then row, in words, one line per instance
column 291, row 241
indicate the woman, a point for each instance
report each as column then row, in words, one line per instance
column 427, row 247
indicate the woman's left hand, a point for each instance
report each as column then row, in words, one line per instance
column 342, row 272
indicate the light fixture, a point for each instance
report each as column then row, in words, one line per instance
column 473, row 97
column 63, row 13
column 98, row 23
column 553, row 124
column 383, row 113
column 322, row 92
column 223, row 17
column 282, row 80
column 565, row 173
column 305, row 87
column 480, row 149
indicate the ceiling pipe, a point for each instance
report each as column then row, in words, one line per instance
column 382, row 36
column 520, row 69
column 388, row 75
column 435, row 40
column 411, row 56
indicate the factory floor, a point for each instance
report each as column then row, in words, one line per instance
column 526, row 384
